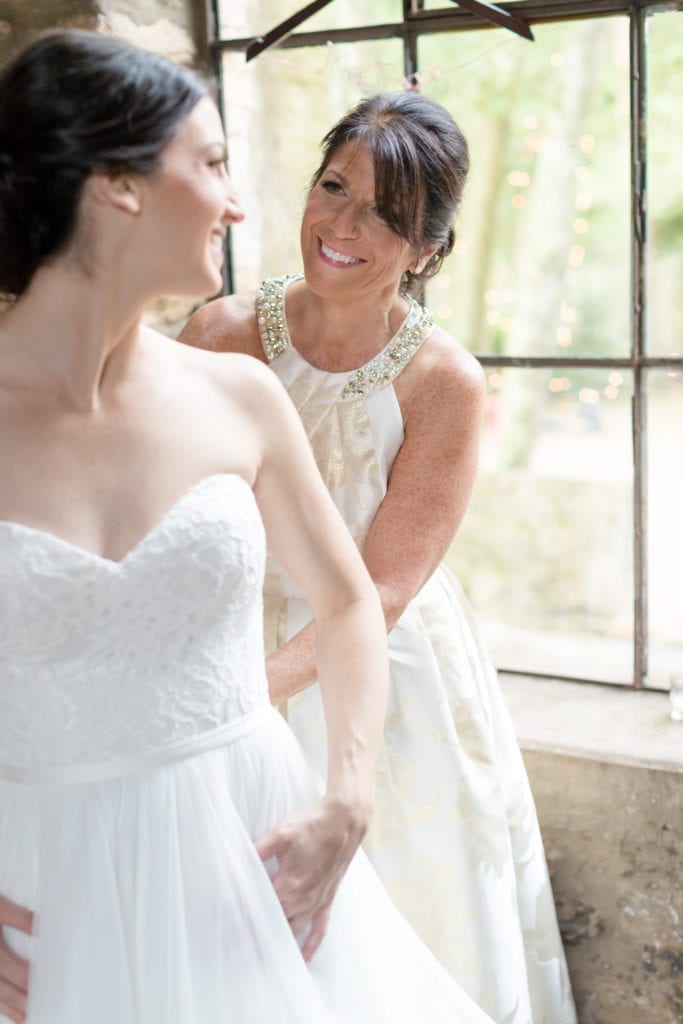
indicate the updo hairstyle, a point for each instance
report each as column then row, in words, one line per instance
column 71, row 103
column 420, row 159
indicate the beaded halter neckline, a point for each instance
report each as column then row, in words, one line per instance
column 373, row 375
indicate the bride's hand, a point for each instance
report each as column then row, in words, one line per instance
column 313, row 849
column 13, row 970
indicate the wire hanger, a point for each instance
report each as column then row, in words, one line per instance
column 489, row 12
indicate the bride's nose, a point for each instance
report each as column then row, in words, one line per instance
column 233, row 211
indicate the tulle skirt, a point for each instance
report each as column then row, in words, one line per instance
column 153, row 907
column 455, row 837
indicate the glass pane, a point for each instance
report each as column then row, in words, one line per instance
column 545, row 550
column 278, row 108
column 665, row 515
column 542, row 262
column 665, row 184
column 251, row 17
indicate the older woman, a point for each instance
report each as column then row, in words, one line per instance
column 392, row 408
column 147, row 788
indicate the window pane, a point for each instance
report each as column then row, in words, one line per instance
column 278, row 108
column 542, row 261
column 665, row 184
column 251, row 17
column 665, row 515
column 545, row 552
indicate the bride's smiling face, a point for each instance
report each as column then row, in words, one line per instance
column 188, row 205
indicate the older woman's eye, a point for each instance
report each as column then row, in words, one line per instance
column 376, row 215
column 333, row 187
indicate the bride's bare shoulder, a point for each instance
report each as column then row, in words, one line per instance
column 219, row 380
column 235, row 370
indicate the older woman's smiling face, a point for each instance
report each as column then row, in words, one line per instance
column 347, row 248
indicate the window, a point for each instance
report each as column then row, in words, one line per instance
column 564, row 281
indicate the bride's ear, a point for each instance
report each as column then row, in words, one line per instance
column 121, row 191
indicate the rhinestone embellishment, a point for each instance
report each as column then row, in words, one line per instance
column 270, row 313
column 380, row 371
column 391, row 360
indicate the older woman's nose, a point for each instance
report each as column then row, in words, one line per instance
column 346, row 222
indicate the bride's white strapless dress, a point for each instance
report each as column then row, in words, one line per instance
column 139, row 760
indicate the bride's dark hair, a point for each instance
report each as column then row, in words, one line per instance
column 74, row 102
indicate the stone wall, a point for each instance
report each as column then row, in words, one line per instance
column 614, row 840
column 176, row 28
column 606, row 768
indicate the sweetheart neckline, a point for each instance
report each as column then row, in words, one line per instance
column 118, row 562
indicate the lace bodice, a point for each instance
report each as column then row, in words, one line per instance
column 352, row 419
column 103, row 659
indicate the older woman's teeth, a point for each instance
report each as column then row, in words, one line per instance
column 338, row 257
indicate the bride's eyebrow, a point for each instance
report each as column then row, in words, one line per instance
column 218, row 148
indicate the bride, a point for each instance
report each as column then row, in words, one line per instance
column 166, row 854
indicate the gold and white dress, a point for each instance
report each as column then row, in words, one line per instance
column 455, row 837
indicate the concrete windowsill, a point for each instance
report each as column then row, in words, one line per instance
column 597, row 722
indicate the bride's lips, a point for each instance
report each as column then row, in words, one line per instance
column 217, row 243
column 336, row 257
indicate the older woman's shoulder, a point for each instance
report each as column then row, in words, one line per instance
column 443, row 364
column 227, row 324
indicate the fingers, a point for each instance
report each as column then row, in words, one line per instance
column 312, row 854
column 14, row 916
column 268, row 845
column 13, row 985
column 319, row 924
column 13, row 970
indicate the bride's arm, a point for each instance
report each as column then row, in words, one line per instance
column 308, row 537
column 13, row 970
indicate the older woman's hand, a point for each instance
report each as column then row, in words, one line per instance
column 313, row 849
column 13, row 970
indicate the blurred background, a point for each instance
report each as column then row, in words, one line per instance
column 566, row 281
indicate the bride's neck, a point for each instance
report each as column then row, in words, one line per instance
column 69, row 331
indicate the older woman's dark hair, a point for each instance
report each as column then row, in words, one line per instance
column 421, row 160
column 71, row 103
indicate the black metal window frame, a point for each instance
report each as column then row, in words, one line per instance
column 417, row 22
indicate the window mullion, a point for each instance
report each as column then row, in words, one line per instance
column 638, row 341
